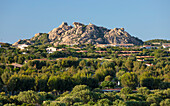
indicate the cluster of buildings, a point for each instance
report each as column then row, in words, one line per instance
column 114, row 45
column 22, row 46
column 53, row 49
column 164, row 45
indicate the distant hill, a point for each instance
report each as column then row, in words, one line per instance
column 157, row 41
column 4, row 44
column 82, row 34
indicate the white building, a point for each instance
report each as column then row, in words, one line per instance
column 22, row 46
column 149, row 64
column 51, row 49
column 166, row 45
column 24, row 53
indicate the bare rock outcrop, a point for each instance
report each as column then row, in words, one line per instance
column 84, row 34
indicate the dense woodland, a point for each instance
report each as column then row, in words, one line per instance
column 65, row 78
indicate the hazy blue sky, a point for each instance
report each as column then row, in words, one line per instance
column 145, row 19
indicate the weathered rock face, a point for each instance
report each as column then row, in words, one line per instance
column 37, row 34
column 85, row 34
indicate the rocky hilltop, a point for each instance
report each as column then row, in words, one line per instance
column 82, row 34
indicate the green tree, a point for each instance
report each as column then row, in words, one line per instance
column 41, row 83
column 126, row 90
column 129, row 65
column 108, row 78
column 26, row 82
column 82, row 63
column 143, row 90
column 15, row 58
column 84, row 95
column 21, row 59
column 119, row 103
column 55, row 82
column 5, row 76
column 104, row 102
column 119, row 74
column 13, row 83
column 150, row 82
column 91, row 82
column 78, row 88
column 107, row 84
column 165, row 102
column 153, row 99
column 30, row 97
column 129, row 80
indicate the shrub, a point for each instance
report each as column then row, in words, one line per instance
column 30, row 97
column 129, row 80
column 78, row 88
column 165, row 102
column 126, row 90
column 108, row 84
column 143, row 91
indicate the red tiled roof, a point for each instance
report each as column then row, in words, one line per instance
column 15, row 65
column 149, row 46
column 81, row 51
column 101, row 51
column 140, row 59
column 130, row 51
column 124, row 54
column 61, row 49
column 145, row 56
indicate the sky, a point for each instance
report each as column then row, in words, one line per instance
column 145, row 19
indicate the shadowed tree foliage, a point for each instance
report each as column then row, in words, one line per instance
column 129, row 80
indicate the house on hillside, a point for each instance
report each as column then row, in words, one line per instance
column 102, row 45
column 24, row 52
column 124, row 54
column 130, row 51
column 166, row 45
column 51, row 49
column 140, row 59
column 114, row 45
column 22, row 46
column 156, row 43
column 125, row 45
column 144, row 56
column 149, row 47
column 61, row 49
column 149, row 64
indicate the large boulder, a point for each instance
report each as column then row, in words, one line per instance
column 85, row 34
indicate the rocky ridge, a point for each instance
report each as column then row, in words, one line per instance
column 83, row 34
